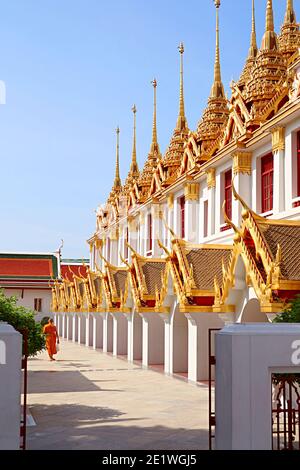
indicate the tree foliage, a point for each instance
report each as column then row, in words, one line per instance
column 291, row 314
column 21, row 319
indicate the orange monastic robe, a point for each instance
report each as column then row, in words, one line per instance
column 50, row 332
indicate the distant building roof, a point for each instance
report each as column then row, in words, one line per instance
column 27, row 269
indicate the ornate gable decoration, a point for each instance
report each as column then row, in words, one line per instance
column 269, row 250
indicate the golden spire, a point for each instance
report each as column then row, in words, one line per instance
column 154, row 144
column 134, row 166
column 253, row 46
column 289, row 38
column 181, row 121
column 290, row 16
column 117, row 182
column 269, row 41
column 217, row 90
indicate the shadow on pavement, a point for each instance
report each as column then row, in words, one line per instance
column 75, row 426
column 54, row 381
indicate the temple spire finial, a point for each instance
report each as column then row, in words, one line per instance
column 269, row 41
column 290, row 16
column 154, row 144
column 253, row 45
column 117, row 182
column 181, row 121
column 134, row 165
column 217, row 90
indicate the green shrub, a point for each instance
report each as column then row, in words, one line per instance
column 21, row 319
column 291, row 314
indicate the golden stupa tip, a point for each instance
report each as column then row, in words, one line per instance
column 217, row 3
column 181, row 48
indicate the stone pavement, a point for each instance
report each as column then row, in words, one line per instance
column 90, row 400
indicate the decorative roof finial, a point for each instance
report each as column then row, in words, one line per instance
column 269, row 41
column 181, row 121
column 217, row 90
column 117, row 182
column 290, row 16
column 134, row 166
column 154, row 144
column 253, row 46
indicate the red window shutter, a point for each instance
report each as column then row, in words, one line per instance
column 267, row 168
column 298, row 163
column 182, row 215
column 228, row 193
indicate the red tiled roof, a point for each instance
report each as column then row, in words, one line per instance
column 26, row 266
column 76, row 268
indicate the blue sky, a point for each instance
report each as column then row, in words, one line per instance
column 73, row 69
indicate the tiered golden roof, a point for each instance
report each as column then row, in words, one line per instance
column 216, row 114
column 154, row 156
column 289, row 38
column 172, row 158
column 269, row 72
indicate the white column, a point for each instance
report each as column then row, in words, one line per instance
column 191, row 220
column 290, row 176
column 167, row 347
column 58, row 325
column 211, row 193
column 10, row 387
column 81, row 328
column 191, row 211
column 153, row 339
column 63, row 328
column 170, row 218
column 89, row 330
column 107, row 332
column 97, row 331
column 198, row 327
column 278, row 148
column 279, row 182
column 74, row 327
column 69, row 326
column 242, row 170
column 218, row 202
column 55, row 319
column 156, row 230
column 135, row 336
column 119, row 334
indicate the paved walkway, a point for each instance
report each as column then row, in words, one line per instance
column 90, row 400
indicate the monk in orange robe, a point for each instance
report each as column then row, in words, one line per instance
column 51, row 337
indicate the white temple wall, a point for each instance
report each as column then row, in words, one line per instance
column 26, row 299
